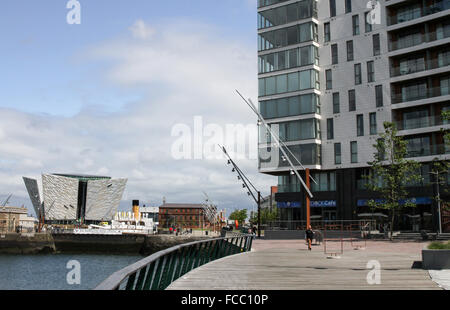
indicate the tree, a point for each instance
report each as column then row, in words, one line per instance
column 239, row 215
column 267, row 215
column 446, row 132
column 391, row 172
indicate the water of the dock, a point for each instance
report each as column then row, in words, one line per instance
column 288, row 265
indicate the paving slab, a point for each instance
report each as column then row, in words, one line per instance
column 441, row 277
column 288, row 265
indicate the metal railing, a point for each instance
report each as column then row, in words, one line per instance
column 434, row 149
column 419, row 122
column 419, row 66
column 416, row 39
column 421, row 12
column 320, row 224
column 159, row 270
column 419, row 94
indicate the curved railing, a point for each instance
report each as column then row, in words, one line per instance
column 159, row 270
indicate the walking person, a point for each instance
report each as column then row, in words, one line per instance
column 254, row 230
column 309, row 236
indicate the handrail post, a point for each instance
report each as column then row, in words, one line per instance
column 140, row 281
column 149, row 278
column 130, row 282
column 156, row 280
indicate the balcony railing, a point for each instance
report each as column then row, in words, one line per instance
column 289, row 188
column 436, row 149
column 412, row 96
column 432, row 9
column 419, row 122
column 159, row 270
column 416, row 39
column 427, row 65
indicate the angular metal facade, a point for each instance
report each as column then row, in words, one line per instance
column 103, row 198
column 33, row 192
column 98, row 199
column 60, row 197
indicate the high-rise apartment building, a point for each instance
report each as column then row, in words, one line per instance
column 331, row 72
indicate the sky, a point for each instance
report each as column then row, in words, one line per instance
column 106, row 96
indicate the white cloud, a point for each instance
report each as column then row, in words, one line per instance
column 187, row 69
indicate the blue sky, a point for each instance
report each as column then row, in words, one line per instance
column 103, row 97
column 41, row 52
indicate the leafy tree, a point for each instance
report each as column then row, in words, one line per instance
column 391, row 172
column 239, row 215
column 446, row 117
column 441, row 168
column 267, row 215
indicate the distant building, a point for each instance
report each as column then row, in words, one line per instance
column 183, row 215
column 269, row 202
column 14, row 219
column 151, row 213
column 70, row 198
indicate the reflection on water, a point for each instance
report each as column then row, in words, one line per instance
column 49, row 272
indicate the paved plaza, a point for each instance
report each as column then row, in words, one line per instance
column 288, row 265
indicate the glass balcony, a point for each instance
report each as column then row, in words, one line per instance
column 418, row 38
column 426, row 93
column 289, row 188
column 428, row 150
column 419, row 66
column 419, row 122
column 413, row 12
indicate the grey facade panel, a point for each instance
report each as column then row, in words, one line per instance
column 60, row 197
column 33, row 192
column 103, row 198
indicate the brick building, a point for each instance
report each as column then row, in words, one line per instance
column 183, row 215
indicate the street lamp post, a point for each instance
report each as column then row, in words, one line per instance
column 284, row 150
column 436, row 173
column 259, row 214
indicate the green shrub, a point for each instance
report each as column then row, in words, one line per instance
column 439, row 246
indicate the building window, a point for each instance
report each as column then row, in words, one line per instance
column 368, row 25
column 337, row 154
column 350, row 50
column 327, row 32
column 332, row 8
column 348, row 6
column 360, row 125
column 376, row 44
column 336, row 103
column 355, row 23
column 358, row 79
column 354, row 152
column 351, row 100
column 334, row 54
column 379, row 95
column 326, row 181
column 373, row 123
column 370, row 72
column 328, row 78
column 330, row 129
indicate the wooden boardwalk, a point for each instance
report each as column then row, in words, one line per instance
column 288, row 265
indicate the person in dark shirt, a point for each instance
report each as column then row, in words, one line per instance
column 254, row 230
column 309, row 236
